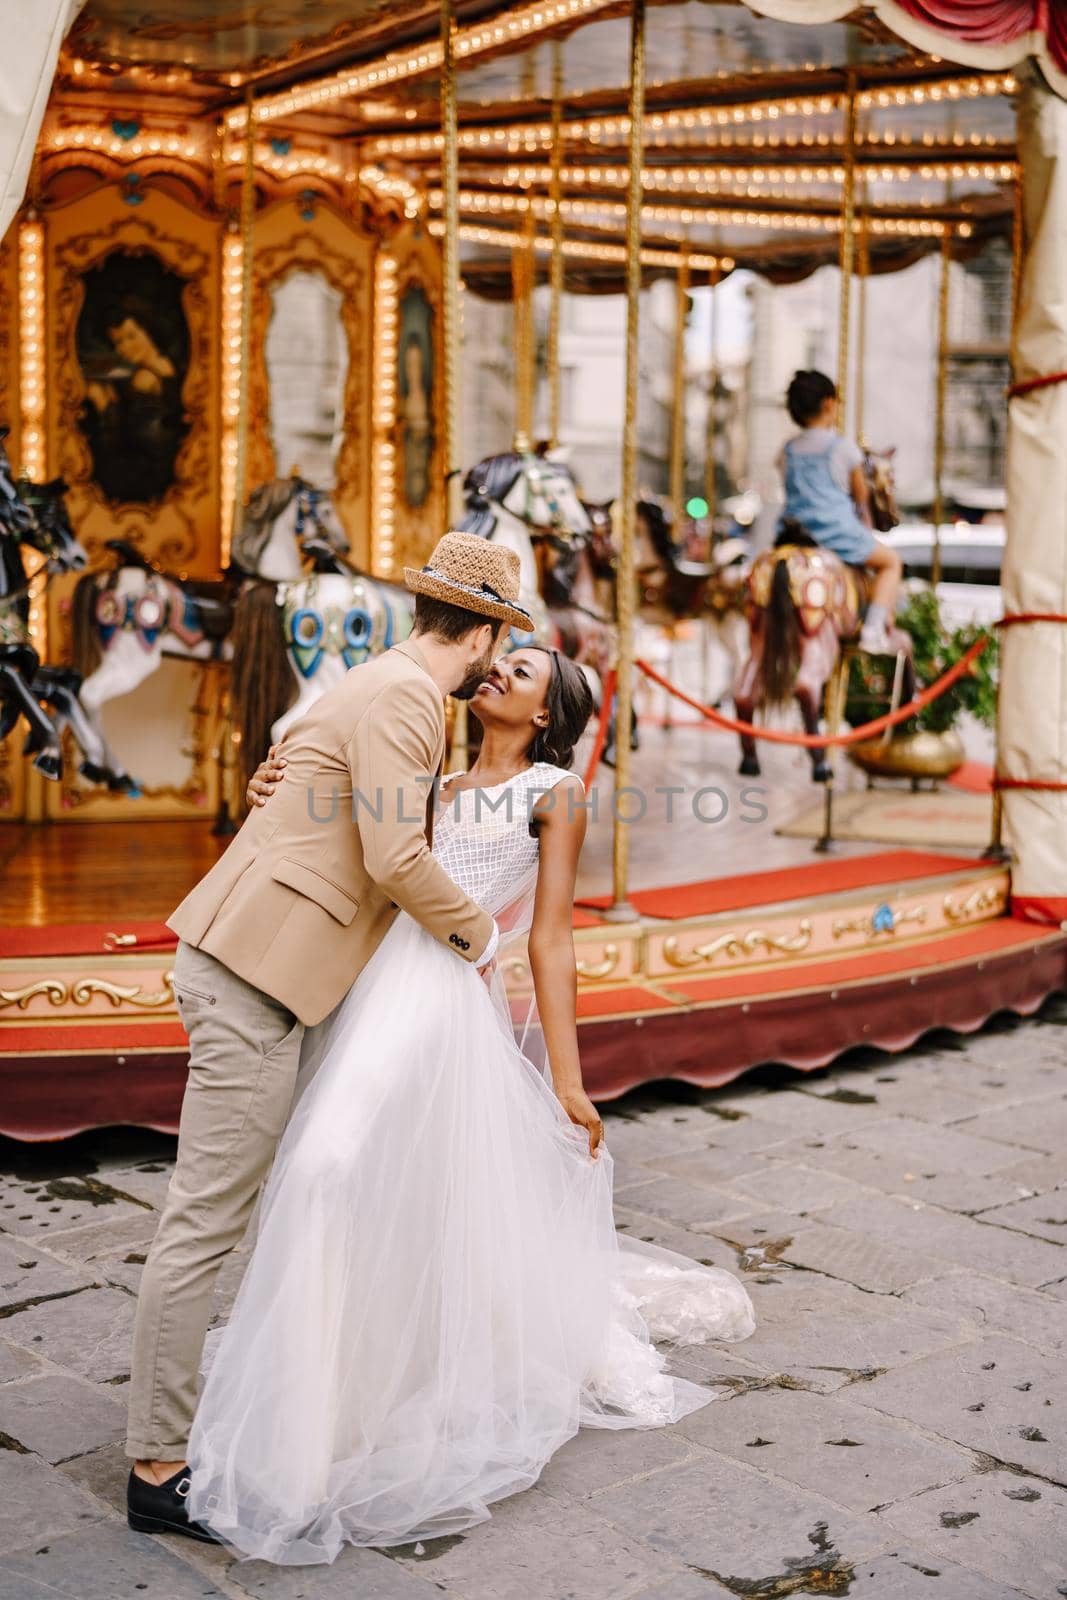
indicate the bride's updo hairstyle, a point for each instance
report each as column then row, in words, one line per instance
column 569, row 703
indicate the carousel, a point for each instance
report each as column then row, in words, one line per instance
column 222, row 221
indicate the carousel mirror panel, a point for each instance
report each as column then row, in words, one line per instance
column 307, row 368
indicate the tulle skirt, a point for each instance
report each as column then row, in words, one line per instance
column 437, row 1298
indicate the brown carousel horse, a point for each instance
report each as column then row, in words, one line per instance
column 804, row 602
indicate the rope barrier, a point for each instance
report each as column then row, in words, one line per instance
column 1050, row 785
column 1029, row 616
column 1028, row 385
column 607, row 696
column 819, row 741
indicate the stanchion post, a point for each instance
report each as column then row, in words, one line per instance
column 621, row 910
column 939, row 404
column 524, row 343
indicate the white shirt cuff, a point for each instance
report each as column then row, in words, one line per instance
column 490, row 950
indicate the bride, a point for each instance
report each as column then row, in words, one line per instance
column 437, row 1298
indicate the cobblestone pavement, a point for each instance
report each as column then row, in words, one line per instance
column 896, row 1428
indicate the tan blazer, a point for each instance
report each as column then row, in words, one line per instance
column 305, row 893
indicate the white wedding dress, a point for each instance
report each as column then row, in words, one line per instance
column 437, row 1298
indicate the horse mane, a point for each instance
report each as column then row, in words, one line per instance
column 791, row 531
column 659, row 530
column 265, row 504
column 262, row 681
column 491, row 480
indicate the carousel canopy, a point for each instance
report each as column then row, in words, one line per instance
column 745, row 137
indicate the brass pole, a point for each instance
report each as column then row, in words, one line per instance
column 861, row 321
column 621, row 910
column 711, row 488
column 939, row 413
column 248, row 222
column 848, row 248
column 450, row 295
column 555, row 304
column 681, row 307
column 525, row 345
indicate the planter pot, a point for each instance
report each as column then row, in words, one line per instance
column 913, row 755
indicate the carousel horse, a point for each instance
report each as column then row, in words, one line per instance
column 36, row 514
column 530, row 503
column 296, row 635
column 804, row 602
column 129, row 620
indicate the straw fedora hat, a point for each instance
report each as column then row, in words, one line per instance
column 475, row 574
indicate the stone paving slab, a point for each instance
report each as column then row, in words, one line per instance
column 1044, row 1216
column 857, row 1458
column 1009, row 1528
column 59, row 1417
column 910, row 1574
column 37, row 1502
column 993, row 1306
column 738, row 1523
column 27, row 1274
column 95, row 1343
column 1037, row 1125
column 37, row 1208
column 994, row 1394
column 106, row 1562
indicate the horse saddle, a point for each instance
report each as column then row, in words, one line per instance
column 821, row 586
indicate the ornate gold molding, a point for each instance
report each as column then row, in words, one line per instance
column 80, row 992
column 181, row 506
column 880, row 923
column 988, row 897
column 738, row 947
column 602, row 968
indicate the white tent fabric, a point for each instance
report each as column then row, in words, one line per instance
column 33, row 31
column 1033, row 687
column 941, row 42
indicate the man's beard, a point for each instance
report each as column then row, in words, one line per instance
column 476, row 676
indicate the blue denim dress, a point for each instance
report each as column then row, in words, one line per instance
column 815, row 498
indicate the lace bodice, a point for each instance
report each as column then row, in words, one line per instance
column 482, row 836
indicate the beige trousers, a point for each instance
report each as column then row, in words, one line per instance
column 244, row 1054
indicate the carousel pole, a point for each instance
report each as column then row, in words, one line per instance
column 681, row 308
column 939, row 405
column 457, row 759
column 224, row 821
column 861, row 321
column 848, row 250
column 555, row 304
column 710, row 479
column 621, row 910
column 525, row 345
column 996, row 849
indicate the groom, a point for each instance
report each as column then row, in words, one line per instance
column 272, row 939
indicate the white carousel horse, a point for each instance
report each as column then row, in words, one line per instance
column 295, row 636
column 127, row 621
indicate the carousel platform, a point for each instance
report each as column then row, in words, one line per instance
column 793, row 965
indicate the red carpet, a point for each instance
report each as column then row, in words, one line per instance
column 789, row 883
column 976, row 777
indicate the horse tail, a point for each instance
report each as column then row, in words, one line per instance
column 781, row 643
column 86, row 635
column 263, row 686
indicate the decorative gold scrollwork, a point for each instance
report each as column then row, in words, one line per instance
column 81, row 991
column 987, row 897
column 603, row 968
column 882, row 921
column 55, row 992
column 738, row 948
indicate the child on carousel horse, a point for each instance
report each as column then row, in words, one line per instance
column 826, row 491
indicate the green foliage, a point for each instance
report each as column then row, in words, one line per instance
column 935, row 651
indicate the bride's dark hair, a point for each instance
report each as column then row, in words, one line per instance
column 569, row 703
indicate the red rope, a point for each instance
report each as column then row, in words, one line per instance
column 819, row 741
column 1029, row 616
column 607, row 695
column 1050, row 784
column 1028, row 385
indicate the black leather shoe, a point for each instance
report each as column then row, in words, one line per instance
column 160, row 1507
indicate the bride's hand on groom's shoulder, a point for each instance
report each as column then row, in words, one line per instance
column 581, row 1110
column 266, row 778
